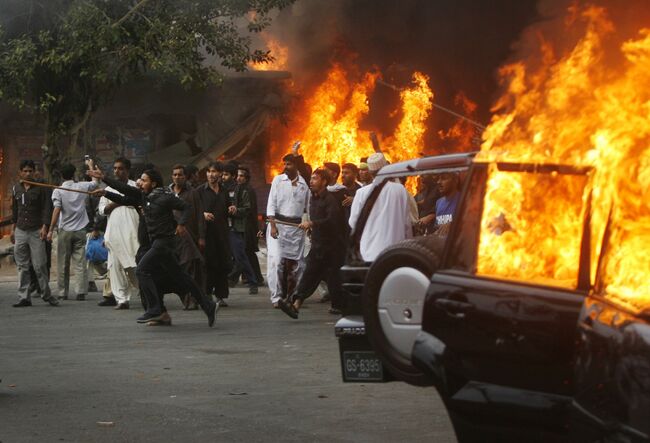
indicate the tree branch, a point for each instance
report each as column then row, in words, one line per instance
column 132, row 11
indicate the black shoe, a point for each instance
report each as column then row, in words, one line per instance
column 22, row 303
column 122, row 306
column 252, row 290
column 52, row 301
column 81, row 297
column 222, row 303
column 108, row 301
column 147, row 317
column 212, row 313
column 288, row 309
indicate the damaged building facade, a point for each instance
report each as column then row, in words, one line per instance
column 165, row 126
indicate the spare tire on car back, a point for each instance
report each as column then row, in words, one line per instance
column 393, row 299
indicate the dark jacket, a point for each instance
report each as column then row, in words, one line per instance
column 158, row 207
column 31, row 208
column 242, row 201
column 328, row 230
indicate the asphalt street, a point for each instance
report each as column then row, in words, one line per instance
column 83, row 373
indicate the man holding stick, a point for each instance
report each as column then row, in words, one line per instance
column 159, row 263
column 31, row 210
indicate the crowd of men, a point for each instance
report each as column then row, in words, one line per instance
column 197, row 239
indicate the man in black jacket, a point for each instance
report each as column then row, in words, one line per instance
column 159, row 261
column 327, row 253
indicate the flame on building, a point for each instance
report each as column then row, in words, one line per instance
column 329, row 122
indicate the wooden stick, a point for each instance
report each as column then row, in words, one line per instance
column 295, row 225
column 47, row 185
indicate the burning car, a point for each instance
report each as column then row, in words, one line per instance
column 533, row 345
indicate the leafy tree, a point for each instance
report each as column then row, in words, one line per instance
column 68, row 58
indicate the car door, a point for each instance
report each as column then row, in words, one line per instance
column 612, row 374
column 508, row 342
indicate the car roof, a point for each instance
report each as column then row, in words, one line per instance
column 442, row 162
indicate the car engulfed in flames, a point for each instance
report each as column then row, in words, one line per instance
column 536, row 324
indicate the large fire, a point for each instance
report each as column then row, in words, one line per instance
column 574, row 107
column 329, row 121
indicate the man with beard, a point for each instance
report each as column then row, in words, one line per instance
column 325, row 259
column 389, row 220
column 288, row 201
column 215, row 231
column 190, row 243
column 159, row 262
column 121, row 240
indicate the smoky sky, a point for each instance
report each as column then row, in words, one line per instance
column 459, row 44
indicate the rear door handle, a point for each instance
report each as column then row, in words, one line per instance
column 454, row 308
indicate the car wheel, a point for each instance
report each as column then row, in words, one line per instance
column 393, row 300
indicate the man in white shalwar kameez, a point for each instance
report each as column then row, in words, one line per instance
column 288, row 202
column 121, row 240
column 389, row 221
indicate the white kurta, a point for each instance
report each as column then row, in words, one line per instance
column 389, row 221
column 291, row 201
column 121, row 236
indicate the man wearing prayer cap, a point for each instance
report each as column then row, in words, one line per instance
column 389, row 220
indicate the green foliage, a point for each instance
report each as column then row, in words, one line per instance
column 77, row 60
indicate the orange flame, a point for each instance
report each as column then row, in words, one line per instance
column 575, row 109
column 329, row 122
column 463, row 133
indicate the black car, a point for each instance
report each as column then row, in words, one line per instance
column 407, row 265
column 517, row 354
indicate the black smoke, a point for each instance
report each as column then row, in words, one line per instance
column 459, row 44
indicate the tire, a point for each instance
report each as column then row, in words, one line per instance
column 393, row 300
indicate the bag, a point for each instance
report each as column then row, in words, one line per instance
column 354, row 257
column 96, row 252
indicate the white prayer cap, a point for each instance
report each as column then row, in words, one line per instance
column 376, row 161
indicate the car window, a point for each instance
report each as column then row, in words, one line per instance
column 521, row 225
column 532, row 226
column 463, row 250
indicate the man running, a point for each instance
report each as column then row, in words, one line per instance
column 159, row 262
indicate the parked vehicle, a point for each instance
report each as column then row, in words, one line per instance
column 395, row 283
column 515, row 357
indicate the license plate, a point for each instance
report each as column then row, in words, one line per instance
column 362, row 366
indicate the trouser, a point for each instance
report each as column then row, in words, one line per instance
column 123, row 281
column 71, row 256
column 238, row 249
column 157, row 266
column 321, row 267
column 34, row 286
column 255, row 265
column 289, row 274
column 29, row 250
column 100, row 270
column 216, row 282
